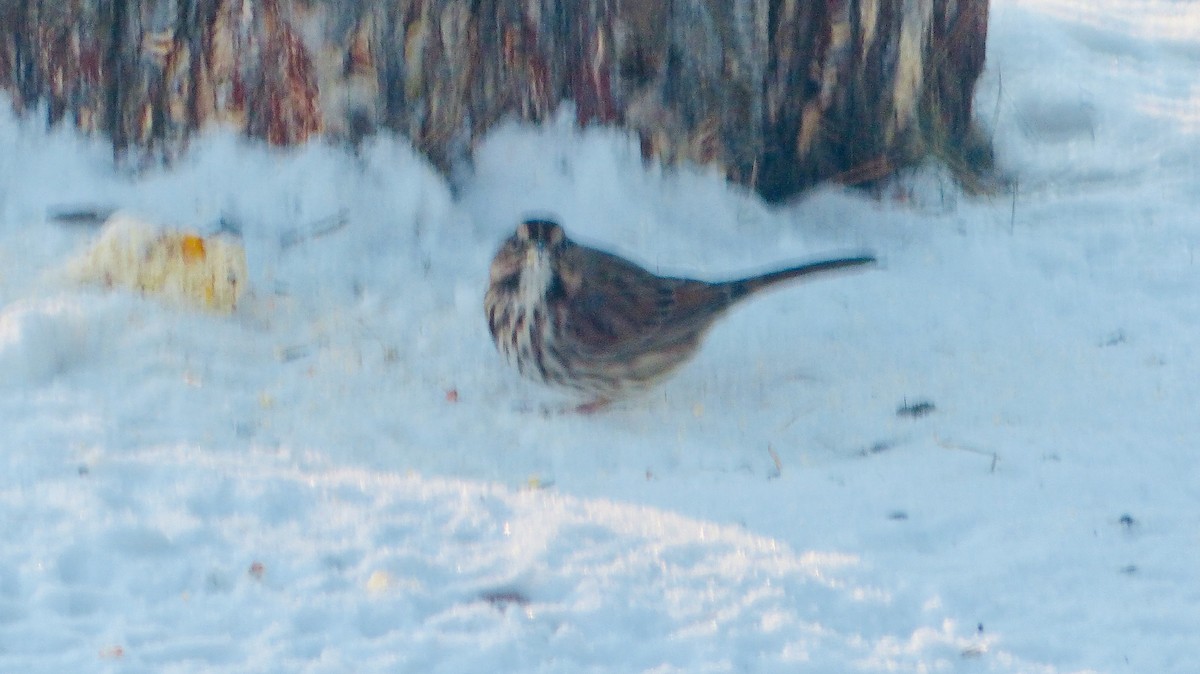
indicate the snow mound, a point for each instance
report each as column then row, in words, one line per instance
column 40, row 339
column 320, row 568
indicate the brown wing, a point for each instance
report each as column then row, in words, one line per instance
column 616, row 309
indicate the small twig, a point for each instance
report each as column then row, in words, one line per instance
column 1012, row 218
column 315, row 230
column 287, row 354
column 879, row 447
column 949, row 444
column 778, row 463
column 80, row 215
column 502, row 599
column 999, row 97
column 915, row 410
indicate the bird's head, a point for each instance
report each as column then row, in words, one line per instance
column 525, row 263
column 540, row 233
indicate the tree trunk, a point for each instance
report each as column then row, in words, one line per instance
column 780, row 93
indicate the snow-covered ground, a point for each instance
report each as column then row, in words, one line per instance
column 342, row 476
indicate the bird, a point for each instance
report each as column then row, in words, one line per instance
column 602, row 327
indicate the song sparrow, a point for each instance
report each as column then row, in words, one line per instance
column 579, row 318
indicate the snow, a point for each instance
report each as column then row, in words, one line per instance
column 343, row 476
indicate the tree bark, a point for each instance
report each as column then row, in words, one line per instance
column 781, row 94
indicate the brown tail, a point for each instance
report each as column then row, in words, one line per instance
column 742, row 287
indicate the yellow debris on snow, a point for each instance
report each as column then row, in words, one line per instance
column 178, row 266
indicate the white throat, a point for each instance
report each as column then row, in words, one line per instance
column 536, row 276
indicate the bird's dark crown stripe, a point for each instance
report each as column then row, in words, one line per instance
column 543, row 231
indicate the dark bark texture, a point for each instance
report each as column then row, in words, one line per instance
column 781, row 94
